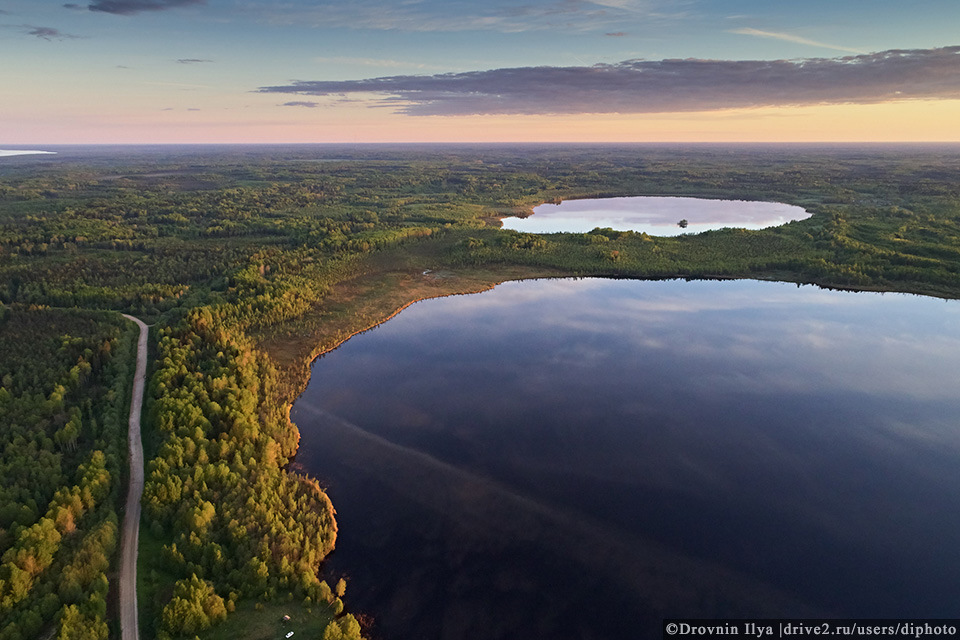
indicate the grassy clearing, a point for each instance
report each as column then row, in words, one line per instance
column 154, row 582
column 266, row 623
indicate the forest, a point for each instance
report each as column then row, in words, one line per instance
column 63, row 409
column 249, row 261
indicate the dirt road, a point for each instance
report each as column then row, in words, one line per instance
column 130, row 535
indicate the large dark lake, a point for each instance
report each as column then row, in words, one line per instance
column 580, row 458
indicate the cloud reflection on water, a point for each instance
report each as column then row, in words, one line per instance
column 750, row 424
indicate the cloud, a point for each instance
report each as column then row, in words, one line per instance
column 506, row 16
column 747, row 31
column 639, row 6
column 301, row 103
column 130, row 7
column 641, row 86
column 616, row 34
column 192, row 60
column 75, row 7
column 375, row 62
column 46, row 33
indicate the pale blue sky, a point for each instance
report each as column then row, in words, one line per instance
column 108, row 69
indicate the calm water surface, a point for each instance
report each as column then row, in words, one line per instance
column 657, row 216
column 579, row 458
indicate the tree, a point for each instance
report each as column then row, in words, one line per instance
column 74, row 625
column 195, row 606
column 346, row 628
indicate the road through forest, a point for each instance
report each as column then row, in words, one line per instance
column 130, row 535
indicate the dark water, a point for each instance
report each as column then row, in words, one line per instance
column 654, row 215
column 580, row 458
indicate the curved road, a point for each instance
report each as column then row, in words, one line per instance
column 129, row 538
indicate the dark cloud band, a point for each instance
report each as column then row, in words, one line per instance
column 640, row 86
column 130, row 7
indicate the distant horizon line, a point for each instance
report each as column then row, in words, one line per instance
column 35, row 146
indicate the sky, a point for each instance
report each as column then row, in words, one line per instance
column 290, row 71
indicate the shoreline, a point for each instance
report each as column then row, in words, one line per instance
column 362, row 304
column 316, row 341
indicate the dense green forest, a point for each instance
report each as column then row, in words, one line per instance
column 63, row 407
column 234, row 254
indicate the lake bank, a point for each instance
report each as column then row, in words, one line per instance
column 366, row 301
column 404, row 473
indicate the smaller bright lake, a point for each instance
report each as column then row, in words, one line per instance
column 657, row 216
column 22, row 152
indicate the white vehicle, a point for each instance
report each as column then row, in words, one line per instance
column 289, row 634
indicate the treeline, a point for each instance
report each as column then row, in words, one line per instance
column 240, row 524
column 63, row 402
column 606, row 252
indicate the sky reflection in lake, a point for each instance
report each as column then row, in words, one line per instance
column 654, row 215
column 714, row 437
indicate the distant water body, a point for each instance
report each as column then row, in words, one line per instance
column 22, row 152
column 655, row 215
